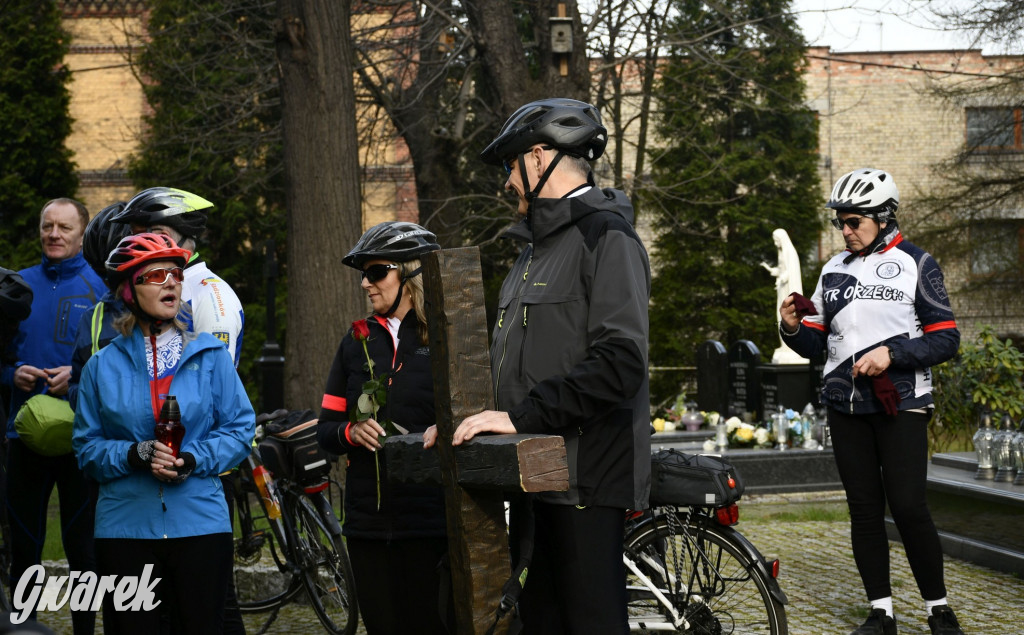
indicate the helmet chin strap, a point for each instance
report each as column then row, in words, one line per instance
column 398, row 298
column 535, row 192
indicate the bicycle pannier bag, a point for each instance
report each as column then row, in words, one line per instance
column 44, row 424
column 678, row 478
column 291, row 449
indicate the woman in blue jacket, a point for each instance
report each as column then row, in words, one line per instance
column 153, row 508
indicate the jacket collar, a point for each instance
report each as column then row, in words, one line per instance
column 550, row 215
column 133, row 346
column 63, row 269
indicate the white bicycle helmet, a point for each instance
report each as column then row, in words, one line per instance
column 866, row 191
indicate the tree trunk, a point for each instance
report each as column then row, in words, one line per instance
column 322, row 191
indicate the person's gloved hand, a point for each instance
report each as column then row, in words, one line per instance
column 183, row 470
column 803, row 306
column 140, row 455
column 886, row 393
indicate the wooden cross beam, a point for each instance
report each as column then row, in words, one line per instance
column 476, row 473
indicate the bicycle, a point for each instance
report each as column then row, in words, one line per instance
column 289, row 536
column 689, row 571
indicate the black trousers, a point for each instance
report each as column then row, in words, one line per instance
column 576, row 582
column 884, row 459
column 31, row 478
column 193, row 574
column 399, row 585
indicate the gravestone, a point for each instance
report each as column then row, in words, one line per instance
column 744, row 389
column 786, row 385
column 712, row 377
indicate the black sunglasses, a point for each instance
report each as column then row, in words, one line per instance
column 852, row 222
column 376, row 273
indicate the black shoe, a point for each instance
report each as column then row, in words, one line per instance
column 878, row 623
column 943, row 621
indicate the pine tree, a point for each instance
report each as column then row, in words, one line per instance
column 210, row 76
column 35, row 164
column 736, row 161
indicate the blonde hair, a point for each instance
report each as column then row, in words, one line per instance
column 414, row 287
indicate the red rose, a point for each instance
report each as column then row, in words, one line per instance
column 360, row 330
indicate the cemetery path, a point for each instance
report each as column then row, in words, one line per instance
column 817, row 573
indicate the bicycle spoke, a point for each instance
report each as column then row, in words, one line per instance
column 711, row 583
column 326, row 572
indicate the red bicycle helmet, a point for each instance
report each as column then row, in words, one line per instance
column 138, row 249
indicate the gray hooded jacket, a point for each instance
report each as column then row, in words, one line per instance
column 569, row 349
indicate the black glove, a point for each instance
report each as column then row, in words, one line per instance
column 140, row 455
column 184, row 470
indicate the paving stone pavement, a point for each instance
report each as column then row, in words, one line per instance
column 818, row 575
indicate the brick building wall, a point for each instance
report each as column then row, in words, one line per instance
column 106, row 99
column 107, row 105
column 875, row 111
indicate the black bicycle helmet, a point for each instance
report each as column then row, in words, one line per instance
column 866, row 191
column 15, row 296
column 572, row 126
column 180, row 210
column 102, row 236
column 391, row 240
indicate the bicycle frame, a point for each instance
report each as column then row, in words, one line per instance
column 678, row 621
column 699, row 528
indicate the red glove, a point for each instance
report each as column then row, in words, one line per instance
column 886, row 393
column 803, row 306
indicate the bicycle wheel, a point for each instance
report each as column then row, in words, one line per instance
column 326, row 571
column 712, row 583
column 262, row 579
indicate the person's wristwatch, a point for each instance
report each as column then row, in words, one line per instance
column 892, row 355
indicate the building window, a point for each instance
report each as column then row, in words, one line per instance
column 994, row 129
column 996, row 248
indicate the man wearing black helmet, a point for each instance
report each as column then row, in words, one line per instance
column 881, row 311
column 569, row 357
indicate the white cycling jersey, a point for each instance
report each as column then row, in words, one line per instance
column 215, row 307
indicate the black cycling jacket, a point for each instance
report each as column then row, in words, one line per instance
column 406, row 510
column 569, row 349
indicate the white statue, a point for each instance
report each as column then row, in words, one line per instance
column 787, row 280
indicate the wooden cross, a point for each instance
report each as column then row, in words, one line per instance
column 476, row 473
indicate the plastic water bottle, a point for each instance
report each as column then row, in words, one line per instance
column 169, row 429
column 268, row 492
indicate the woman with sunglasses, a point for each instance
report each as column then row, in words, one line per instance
column 156, row 508
column 395, row 533
column 882, row 312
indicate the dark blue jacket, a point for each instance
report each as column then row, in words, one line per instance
column 61, row 292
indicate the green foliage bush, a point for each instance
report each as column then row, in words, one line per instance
column 987, row 374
